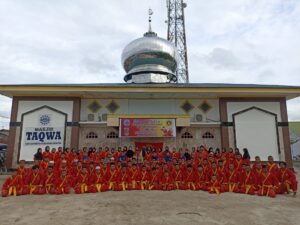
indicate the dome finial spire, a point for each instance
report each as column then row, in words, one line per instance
column 150, row 33
column 150, row 12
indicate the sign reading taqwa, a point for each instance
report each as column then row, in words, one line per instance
column 41, row 127
column 44, row 135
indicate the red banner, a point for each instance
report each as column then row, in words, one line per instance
column 147, row 127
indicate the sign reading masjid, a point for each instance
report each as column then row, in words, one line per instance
column 41, row 128
column 147, row 127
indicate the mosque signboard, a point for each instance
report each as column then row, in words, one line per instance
column 142, row 127
column 40, row 128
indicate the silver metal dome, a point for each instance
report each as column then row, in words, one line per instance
column 150, row 59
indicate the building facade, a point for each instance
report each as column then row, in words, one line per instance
column 150, row 109
column 214, row 115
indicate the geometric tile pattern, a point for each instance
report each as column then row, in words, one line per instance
column 94, row 106
column 187, row 106
column 112, row 106
column 204, row 107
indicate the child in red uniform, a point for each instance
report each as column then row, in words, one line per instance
column 190, row 178
column 201, row 182
column 112, row 178
column 81, row 185
column 178, row 176
column 34, row 182
column 167, row 182
column 48, row 181
column 231, row 179
column 267, row 183
column 124, row 178
column 287, row 179
column 96, row 181
column 134, row 182
column 13, row 185
column 214, row 186
column 247, row 181
column 145, row 177
column 62, row 184
column 154, row 180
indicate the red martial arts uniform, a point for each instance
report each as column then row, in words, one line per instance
column 96, row 183
column 178, row 177
column 288, row 181
column 134, row 180
column 145, row 177
column 230, row 181
column 268, row 184
column 81, row 185
column 214, row 187
column 247, row 182
column 167, row 183
column 154, row 181
column 62, row 185
column 34, row 184
column 113, row 180
column 189, row 180
column 48, row 183
column 201, row 182
column 13, row 185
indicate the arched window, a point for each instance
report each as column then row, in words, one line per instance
column 207, row 135
column 91, row 135
column 186, row 135
column 112, row 135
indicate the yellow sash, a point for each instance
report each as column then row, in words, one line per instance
column 32, row 186
column 12, row 190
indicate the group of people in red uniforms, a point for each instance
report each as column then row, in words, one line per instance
column 90, row 171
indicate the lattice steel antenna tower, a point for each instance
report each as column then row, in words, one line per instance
column 176, row 34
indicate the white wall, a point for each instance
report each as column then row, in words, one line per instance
column 151, row 106
column 256, row 130
column 233, row 107
column 64, row 106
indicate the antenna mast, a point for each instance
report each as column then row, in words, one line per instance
column 176, row 35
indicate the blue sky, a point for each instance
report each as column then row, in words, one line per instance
column 80, row 41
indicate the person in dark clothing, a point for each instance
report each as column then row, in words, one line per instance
column 246, row 154
column 129, row 153
column 38, row 155
column 187, row 155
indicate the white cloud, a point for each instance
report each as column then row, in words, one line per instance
column 79, row 41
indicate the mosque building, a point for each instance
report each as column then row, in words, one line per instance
column 150, row 109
